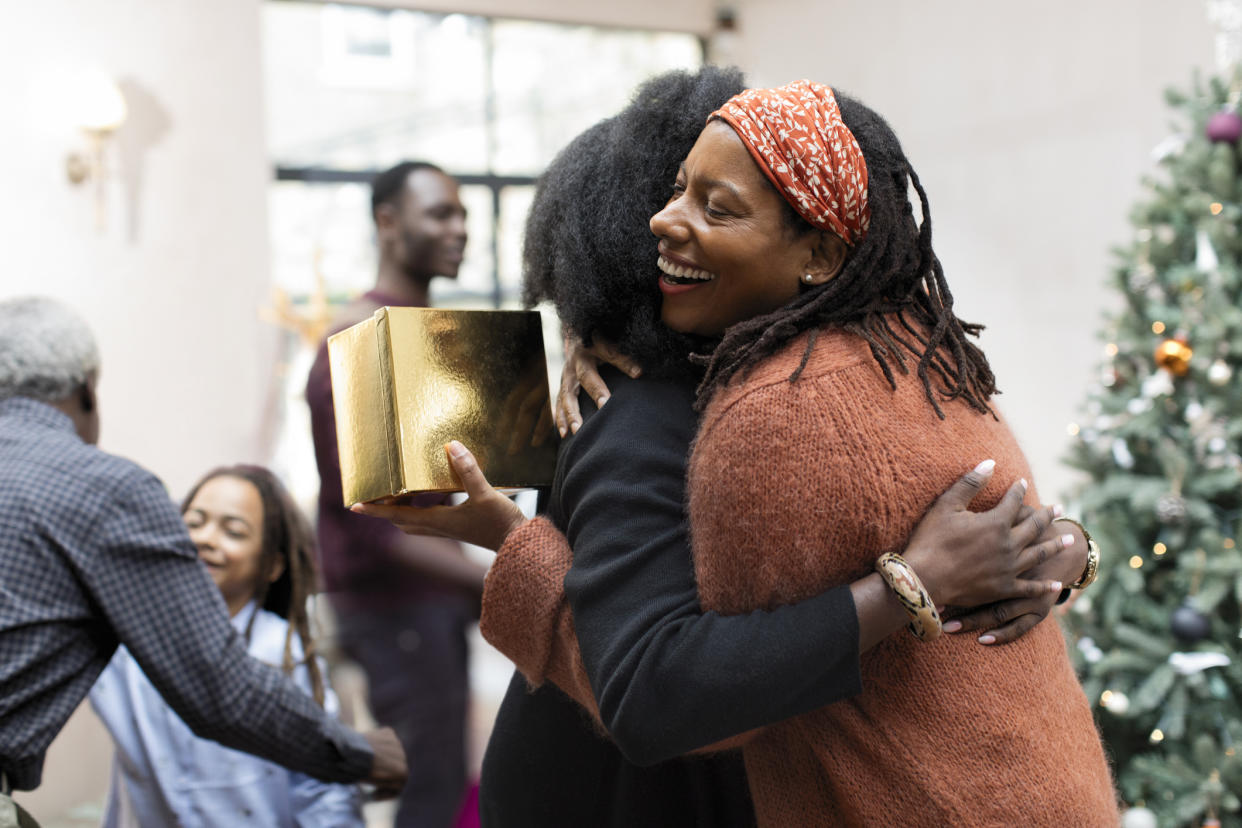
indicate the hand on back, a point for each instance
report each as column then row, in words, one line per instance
column 388, row 770
column 581, row 371
column 1004, row 559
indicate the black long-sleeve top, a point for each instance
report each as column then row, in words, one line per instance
column 668, row 677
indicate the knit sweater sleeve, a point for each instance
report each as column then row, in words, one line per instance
column 670, row 678
column 525, row 614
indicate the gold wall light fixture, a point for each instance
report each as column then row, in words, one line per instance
column 98, row 108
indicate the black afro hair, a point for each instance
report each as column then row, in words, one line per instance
column 588, row 246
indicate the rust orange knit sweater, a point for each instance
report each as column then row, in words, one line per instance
column 946, row 733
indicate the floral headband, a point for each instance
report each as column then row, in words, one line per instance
column 796, row 136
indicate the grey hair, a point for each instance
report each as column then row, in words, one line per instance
column 47, row 352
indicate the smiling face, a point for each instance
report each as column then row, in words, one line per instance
column 726, row 250
column 425, row 230
column 225, row 521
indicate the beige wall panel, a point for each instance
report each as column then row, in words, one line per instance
column 1030, row 126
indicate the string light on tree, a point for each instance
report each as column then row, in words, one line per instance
column 1115, row 702
column 1219, row 373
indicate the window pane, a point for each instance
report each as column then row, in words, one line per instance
column 350, row 87
column 324, row 228
column 514, row 205
column 553, row 81
column 355, row 89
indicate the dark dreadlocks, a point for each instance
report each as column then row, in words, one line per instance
column 287, row 538
column 891, row 291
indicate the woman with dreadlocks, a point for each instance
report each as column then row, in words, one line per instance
column 668, row 676
column 790, row 234
column 259, row 550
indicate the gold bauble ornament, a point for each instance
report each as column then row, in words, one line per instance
column 1173, row 355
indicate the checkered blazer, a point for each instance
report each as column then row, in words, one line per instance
column 92, row 553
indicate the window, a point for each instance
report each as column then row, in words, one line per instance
column 352, row 90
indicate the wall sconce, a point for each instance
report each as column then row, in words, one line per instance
column 98, row 108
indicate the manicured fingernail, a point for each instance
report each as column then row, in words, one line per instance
column 1067, row 540
column 987, row 638
column 635, row 372
column 575, row 425
column 1057, row 511
column 562, row 430
column 357, row 507
column 1025, row 485
column 985, row 467
column 456, row 449
column 952, row 626
column 1056, row 587
column 600, row 402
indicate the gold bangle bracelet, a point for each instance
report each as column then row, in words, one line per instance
column 1093, row 557
column 900, row 577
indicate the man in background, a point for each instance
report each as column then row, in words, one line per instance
column 94, row 554
column 403, row 603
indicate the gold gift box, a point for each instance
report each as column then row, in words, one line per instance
column 408, row 380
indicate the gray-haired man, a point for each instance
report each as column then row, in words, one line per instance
column 93, row 553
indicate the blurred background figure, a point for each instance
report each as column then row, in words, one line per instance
column 403, row 603
column 259, row 549
column 94, row 555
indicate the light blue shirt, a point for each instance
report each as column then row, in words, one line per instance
column 162, row 774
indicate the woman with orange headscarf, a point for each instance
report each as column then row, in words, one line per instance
column 848, row 356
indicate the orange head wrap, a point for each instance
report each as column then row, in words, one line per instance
column 796, row 136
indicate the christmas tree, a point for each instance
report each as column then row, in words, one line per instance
column 1158, row 637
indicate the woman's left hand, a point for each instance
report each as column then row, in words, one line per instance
column 1007, row 621
column 581, row 371
column 485, row 519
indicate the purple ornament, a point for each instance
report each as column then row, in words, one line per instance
column 1224, row 127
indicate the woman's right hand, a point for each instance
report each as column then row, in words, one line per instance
column 485, row 519
column 968, row 559
column 581, row 371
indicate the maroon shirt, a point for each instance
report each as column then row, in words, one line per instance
column 357, row 554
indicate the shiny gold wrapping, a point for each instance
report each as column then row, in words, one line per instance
column 408, row 380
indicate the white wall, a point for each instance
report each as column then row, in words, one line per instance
column 1030, row 126
column 172, row 287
